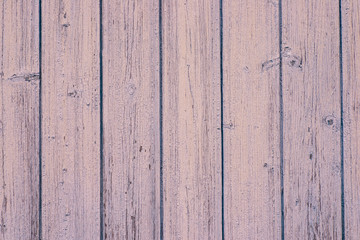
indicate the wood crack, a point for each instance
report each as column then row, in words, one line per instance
column 31, row 77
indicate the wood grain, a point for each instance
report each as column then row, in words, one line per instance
column 19, row 120
column 131, row 119
column 187, row 116
column 191, row 120
column 311, row 95
column 251, row 120
column 351, row 98
column 71, row 120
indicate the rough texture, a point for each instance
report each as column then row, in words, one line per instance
column 131, row 119
column 280, row 76
column 351, row 97
column 251, row 120
column 70, row 120
column 19, row 120
column 191, row 120
column 311, row 93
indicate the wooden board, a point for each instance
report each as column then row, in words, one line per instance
column 191, row 120
column 19, row 119
column 251, row 120
column 131, row 119
column 70, row 120
column 351, row 99
column 311, row 95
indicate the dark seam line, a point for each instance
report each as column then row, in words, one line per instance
column 222, row 121
column 101, row 126
column 341, row 126
column 161, row 123
column 281, row 124
column 40, row 121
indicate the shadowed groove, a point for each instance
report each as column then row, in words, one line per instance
column 40, row 122
column 222, row 121
column 341, row 125
column 281, row 124
column 101, row 126
column 161, row 122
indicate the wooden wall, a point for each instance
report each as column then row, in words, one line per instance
column 189, row 119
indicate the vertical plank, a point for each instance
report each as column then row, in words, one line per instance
column 311, row 93
column 19, row 120
column 251, row 120
column 70, row 121
column 191, row 120
column 351, row 102
column 131, row 119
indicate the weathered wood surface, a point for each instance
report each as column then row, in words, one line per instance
column 351, row 100
column 131, row 119
column 191, row 120
column 312, row 118
column 252, row 208
column 19, row 120
column 70, row 119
